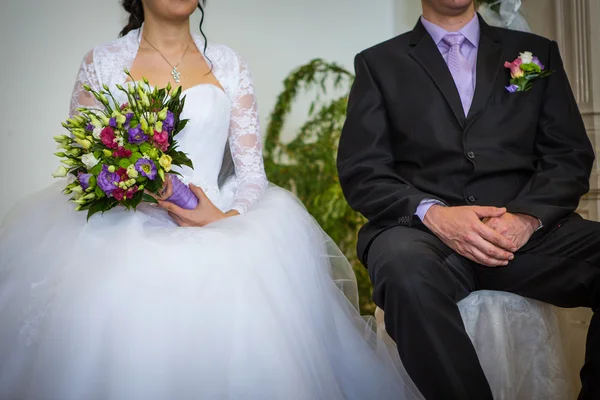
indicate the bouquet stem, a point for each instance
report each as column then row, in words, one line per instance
column 182, row 195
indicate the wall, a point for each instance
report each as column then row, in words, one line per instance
column 48, row 40
column 406, row 14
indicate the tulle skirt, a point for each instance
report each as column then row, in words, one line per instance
column 130, row 306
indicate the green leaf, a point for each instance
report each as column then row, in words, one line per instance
column 137, row 199
column 180, row 158
column 99, row 193
column 85, row 207
column 101, row 205
column 96, row 169
column 148, row 199
column 180, row 126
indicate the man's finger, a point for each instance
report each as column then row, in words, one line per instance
column 491, row 250
column 495, row 238
column 489, row 212
column 483, row 259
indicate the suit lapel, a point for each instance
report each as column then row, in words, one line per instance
column 489, row 62
column 426, row 53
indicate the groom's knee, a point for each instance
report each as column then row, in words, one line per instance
column 404, row 262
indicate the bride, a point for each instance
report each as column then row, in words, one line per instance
column 243, row 297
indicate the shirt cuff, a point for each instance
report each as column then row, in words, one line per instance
column 541, row 225
column 424, row 206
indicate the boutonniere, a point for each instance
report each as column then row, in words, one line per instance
column 523, row 71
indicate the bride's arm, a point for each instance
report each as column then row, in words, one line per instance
column 246, row 144
column 86, row 76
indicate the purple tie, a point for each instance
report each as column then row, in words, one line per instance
column 460, row 69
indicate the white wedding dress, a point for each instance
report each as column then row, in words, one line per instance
column 129, row 306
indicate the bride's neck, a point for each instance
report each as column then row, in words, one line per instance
column 168, row 36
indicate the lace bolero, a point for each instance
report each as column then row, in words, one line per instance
column 105, row 65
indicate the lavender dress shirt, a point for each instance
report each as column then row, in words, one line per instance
column 471, row 32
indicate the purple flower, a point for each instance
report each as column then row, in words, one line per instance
column 128, row 117
column 169, row 122
column 136, row 135
column 84, row 180
column 512, row 88
column 107, row 181
column 146, row 167
column 113, row 122
column 89, row 127
column 538, row 62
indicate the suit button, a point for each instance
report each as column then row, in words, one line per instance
column 471, row 199
column 470, row 155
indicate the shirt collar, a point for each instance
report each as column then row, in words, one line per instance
column 471, row 31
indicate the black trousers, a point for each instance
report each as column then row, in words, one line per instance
column 418, row 282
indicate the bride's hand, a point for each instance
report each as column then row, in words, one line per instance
column 205, row 213
column 165, row 192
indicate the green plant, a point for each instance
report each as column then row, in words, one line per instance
column 306, row 165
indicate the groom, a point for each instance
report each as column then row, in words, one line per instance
column 467, row 186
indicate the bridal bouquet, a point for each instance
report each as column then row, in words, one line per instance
column 117, row 153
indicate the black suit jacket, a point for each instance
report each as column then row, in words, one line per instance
column 406, row 137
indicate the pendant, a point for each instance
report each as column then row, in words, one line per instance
column 175, row 74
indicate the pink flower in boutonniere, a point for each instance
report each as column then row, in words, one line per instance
column 515, row 68
column 523, row 71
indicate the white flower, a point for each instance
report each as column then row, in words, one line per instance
column 120, row 141
column 526, row 57
column 89, row 160
column 97, row 131
column 132, row 172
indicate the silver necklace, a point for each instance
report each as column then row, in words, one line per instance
column 174, row 72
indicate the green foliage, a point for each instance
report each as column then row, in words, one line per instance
column 307, row 165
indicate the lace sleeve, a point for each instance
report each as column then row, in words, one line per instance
column 246, row 143
column 86, row 75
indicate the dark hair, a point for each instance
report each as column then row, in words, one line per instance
column 136, row 17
